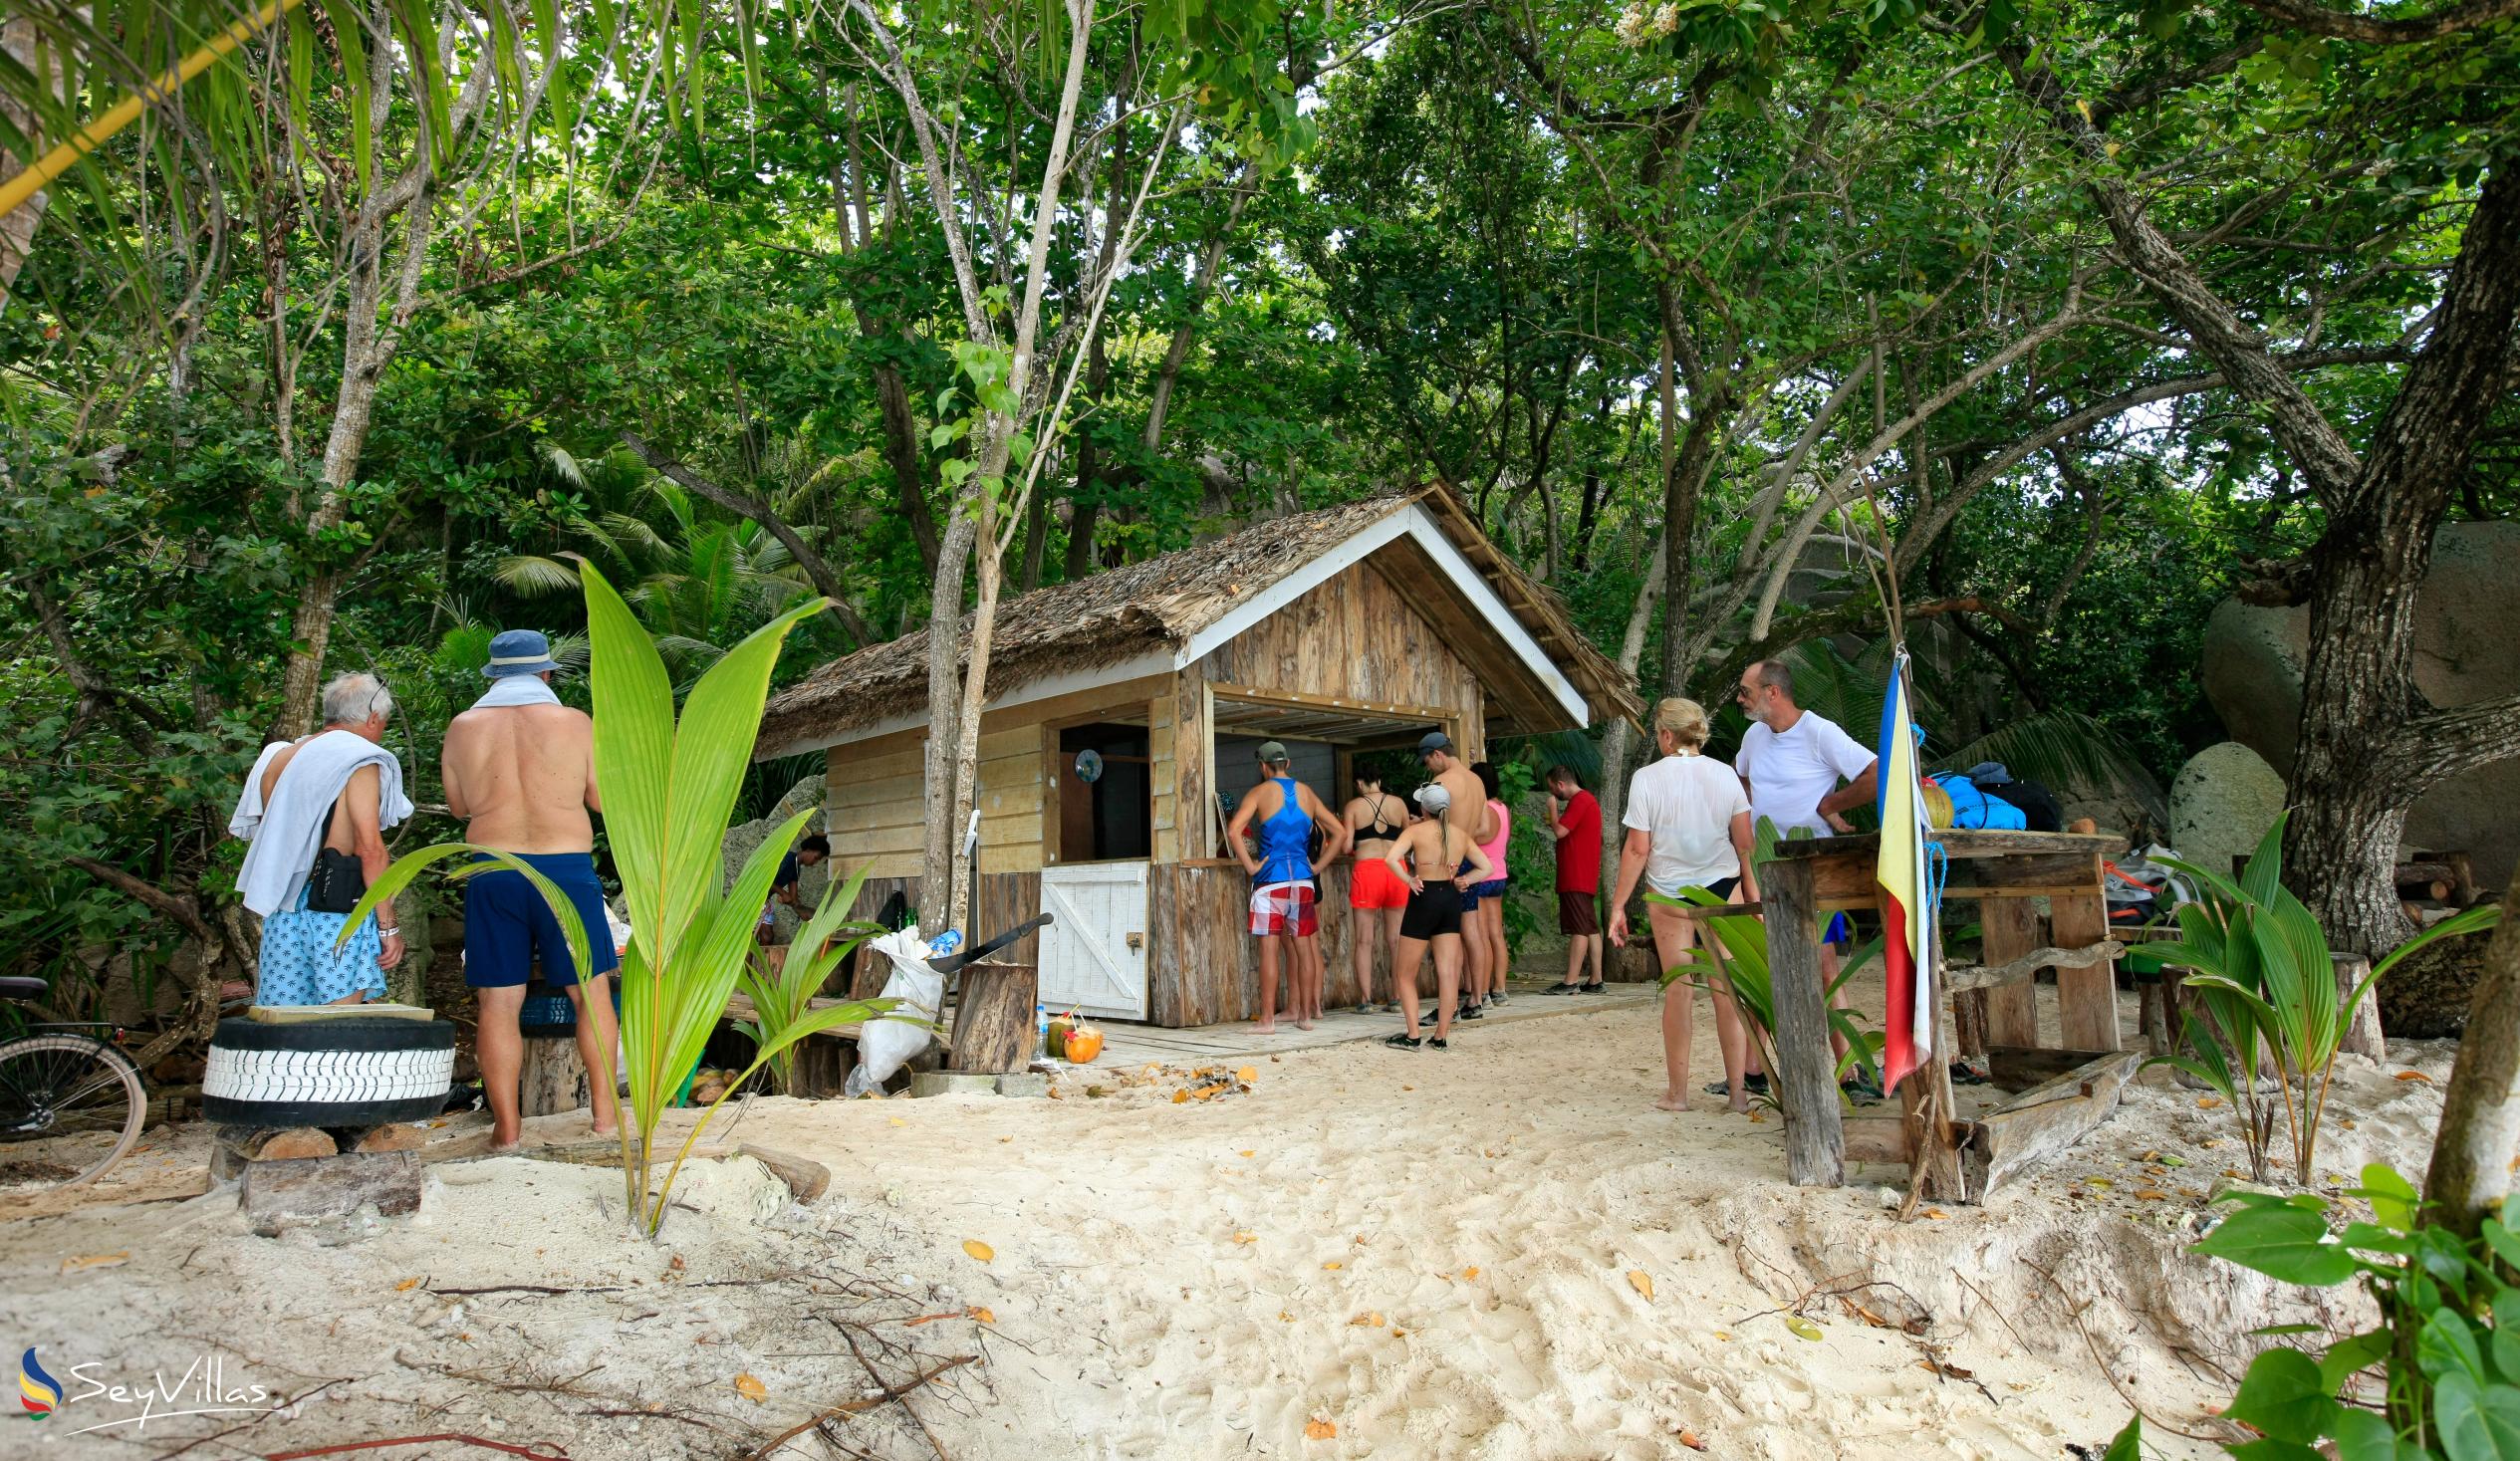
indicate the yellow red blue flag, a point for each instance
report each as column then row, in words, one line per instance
column 1907, row 891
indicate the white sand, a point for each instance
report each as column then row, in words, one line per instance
column 1429, row 1251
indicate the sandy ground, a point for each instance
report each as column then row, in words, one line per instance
column 1500, row 1252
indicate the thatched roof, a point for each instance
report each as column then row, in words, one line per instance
column 1161, row 604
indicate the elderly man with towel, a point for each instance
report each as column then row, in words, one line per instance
column 519, row 769
column 326, row 797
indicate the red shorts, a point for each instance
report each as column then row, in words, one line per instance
column 1283, row 908
column 1376, row 885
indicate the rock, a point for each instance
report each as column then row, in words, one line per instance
column 2467, row 648
column 2223, row 802
column 1024, row 1085
column 2426, row 996
column 953, row 1082
column 279, row 1195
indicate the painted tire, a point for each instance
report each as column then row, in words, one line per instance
column 330, row 1073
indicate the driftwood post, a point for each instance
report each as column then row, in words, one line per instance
column 554, row 1079
column 1814, row 1135
column 993, row 1021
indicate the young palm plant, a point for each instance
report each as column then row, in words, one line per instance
column 783, row 998
column 2264, row 977
column 669, row 787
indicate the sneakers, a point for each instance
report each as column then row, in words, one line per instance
column 1859, row 1088
column 1425, row 1019
column 1469, row 1012
column 1755, row 1084
column 1498, row 998
column 1438, row 1042
column 1596, row 987
column 1563, row 989
column 1406, row 1042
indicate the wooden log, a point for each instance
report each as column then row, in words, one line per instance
column 2086, row 994
column 807, row 1179
column 554, row 1077
column 1815, row 1137
column 235, row 1149
column 400, row 1136
column 993, row 1020
column 2010, row 930
column 2045, row 1120
column 822, row 1067
column 1877, row 1136
column 277, row 1196
column 2015, row 1069
column 1962, row 977
column 2361, row 1033
column 2427, row 879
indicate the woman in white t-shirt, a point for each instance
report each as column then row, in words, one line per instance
column 1688, row 826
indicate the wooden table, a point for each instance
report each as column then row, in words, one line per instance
column 1994, row 1007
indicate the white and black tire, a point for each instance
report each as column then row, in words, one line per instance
column 328, row 1072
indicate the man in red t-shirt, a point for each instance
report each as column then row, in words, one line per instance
column 1578, row 829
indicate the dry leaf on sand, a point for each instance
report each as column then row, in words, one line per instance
column 2412, row 1075
column 1802, row 1327
column 1334, row 1264
column 96, row 1260
column 1319, row 1431
column 1641, row 1282
column 751, row 1389
column 1689, row 1439
column 1246, row 1237
column 1247, row 1075
column 978, row 1249
column 407, row 1285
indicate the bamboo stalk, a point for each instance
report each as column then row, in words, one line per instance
column 121, row 114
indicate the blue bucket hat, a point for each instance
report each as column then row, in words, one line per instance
column 518, row 651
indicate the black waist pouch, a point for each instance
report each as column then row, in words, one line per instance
column 337, row 880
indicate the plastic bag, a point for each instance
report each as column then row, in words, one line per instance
column 886, row 1045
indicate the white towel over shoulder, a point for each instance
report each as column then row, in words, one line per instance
column 287, row 828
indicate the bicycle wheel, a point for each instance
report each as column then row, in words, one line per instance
column 74, row 1107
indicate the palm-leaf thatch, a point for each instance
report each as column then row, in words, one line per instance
column 1161, row 604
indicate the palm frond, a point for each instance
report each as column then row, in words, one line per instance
column 533, row 575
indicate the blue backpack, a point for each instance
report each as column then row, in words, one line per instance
column 1973, row 805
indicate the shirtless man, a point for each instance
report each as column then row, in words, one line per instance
column 1466, row 813
column 519, row 769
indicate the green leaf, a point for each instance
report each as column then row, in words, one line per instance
column 2393, row 1199
column 2477, row 1423
column 2128, row 1445
column 2446, row 1346
column 2283, row 1242
column 2283, row 1395
column 2362, row 1436
column 2353, row 1355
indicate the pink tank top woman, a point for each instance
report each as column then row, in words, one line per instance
column 1494, row 848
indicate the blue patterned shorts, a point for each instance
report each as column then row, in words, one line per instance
column 299, row 965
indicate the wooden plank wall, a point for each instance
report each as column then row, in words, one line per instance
column 1205, row 965
column 874, row 805
column 1355, row 638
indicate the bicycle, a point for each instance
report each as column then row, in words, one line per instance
column 72, row 1091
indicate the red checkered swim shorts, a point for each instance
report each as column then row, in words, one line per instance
column 1283, row 908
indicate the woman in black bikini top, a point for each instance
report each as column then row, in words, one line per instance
column 1373, row 891
column 1432, row 917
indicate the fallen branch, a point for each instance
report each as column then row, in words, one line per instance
column 1959, row 978
column 2074, row 1311
column 526, row 1289
column 890, row 1394
column 535, row 1451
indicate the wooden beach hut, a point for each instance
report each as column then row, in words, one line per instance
column 1352, row 628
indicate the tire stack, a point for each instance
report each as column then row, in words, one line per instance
column 337, row 1072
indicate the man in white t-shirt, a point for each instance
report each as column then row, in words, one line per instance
column 1791, row 762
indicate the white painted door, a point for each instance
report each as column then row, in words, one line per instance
column 1094, row 954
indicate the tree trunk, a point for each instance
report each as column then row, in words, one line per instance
column 1614, row 748
column 2480, row 1110
column 17, row 230
column 944, row 703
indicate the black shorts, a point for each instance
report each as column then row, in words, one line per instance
column 1433, row 909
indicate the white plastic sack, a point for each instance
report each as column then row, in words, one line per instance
column 885, row 1045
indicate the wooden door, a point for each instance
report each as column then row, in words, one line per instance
column 1094, row 954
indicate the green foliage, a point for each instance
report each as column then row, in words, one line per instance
column 2264, row 978
column 2447, row 1349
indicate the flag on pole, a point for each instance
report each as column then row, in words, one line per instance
column 1908, row 892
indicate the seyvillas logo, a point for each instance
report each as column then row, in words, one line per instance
column 38, row 1392
column 202, row 1388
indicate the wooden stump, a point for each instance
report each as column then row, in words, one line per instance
column 993, row 1022
column 1815, row 1135
column 401, row 1137
column 280, row 1194
column 2361, row 1033
column 554, row 1079
column 822, row 1066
